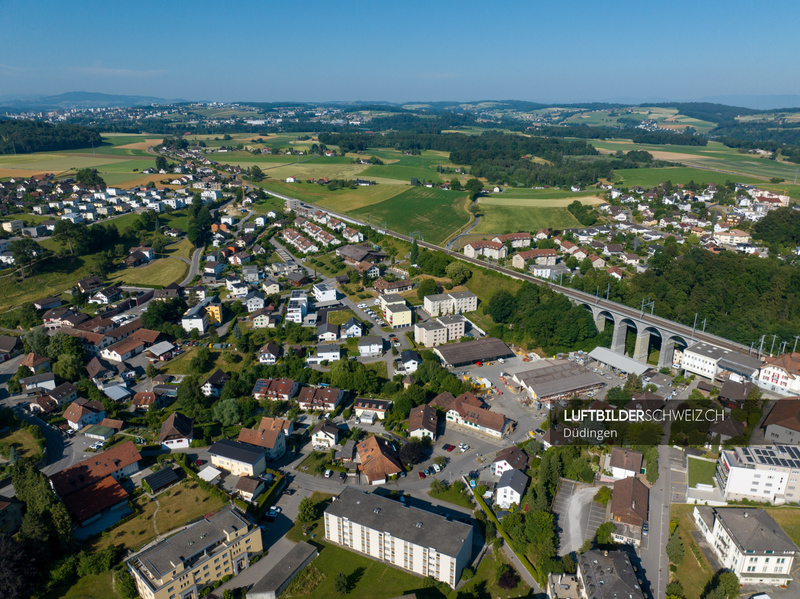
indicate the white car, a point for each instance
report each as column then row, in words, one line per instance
column 328, row 473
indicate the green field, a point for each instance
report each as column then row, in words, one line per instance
column 159, row 272
column 401, row 167
column 507, row 215
column 668, row 118
column 341, row 200
column 649, row 177
column 701, row 472
column 436, row 213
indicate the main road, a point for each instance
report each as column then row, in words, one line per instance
column 689, row 333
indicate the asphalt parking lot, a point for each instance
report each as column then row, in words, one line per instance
column 576, row 514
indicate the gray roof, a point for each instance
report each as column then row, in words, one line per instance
column 430, row 325
column 550, row 378
column 461, row 294
column 451, row 318
column 161, row 348
column 407, row 523
column 515, row 479
column 618, row 361
column 240, row 452
column 161, row 478
column 193, row 541
column 609, row 576
column 487, row 348
column 751, row 528
column 369, row 340
column 727, row 359
column 284, row 571
column 328, row 347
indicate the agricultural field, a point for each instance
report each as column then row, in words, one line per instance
column 341, row 200
column 667, row 118
column 401, row 167
column 162, row 271
column 432, row 211
column 649, row 177
column 713, row 157
column 503, row 213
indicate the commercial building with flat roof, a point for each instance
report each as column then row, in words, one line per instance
column 469, row 352
column 766, row 473
column 416, row 540
column 548, row 380
column 180, row 566
column 713, row 362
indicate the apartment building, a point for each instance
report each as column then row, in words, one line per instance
column 180, row 566
column 748, row 542
column 517, row 240
column 781, row 374
column 421, row 542
column 490, row 249
column 297, row 307
column 430, row 333
column 766, row 473
column 456, row 302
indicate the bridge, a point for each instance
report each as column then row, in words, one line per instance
column 648, row 328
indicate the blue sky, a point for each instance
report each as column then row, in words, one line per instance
column 564, row 51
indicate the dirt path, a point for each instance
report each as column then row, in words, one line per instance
column 155, row 513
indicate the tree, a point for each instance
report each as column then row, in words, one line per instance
column 69, row 367
column 675, row 550
column 17, row 577
column 586, row 265
column 37, row 341
column 414, row 254
column 89, row 176
column 427, row 287
column 306, row 511
column 501, row 306
column 161, row 163
column 62, row 344
column 340, row 584
column 458, row 272
column 572, row 263
column 104, row 263
column 455, row 184
column 25, row 251
column 64, row 232
column 729, row 583
column 474, row 187
column 227, row 412
column 201, row 361
column 412, row 453
column 508, row 579
column 256, row 174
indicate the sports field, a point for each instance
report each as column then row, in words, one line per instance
column 433, row 212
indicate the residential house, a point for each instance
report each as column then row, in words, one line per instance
column 83, row 412
column 144, row 400
column 370, row 410
column 490, row 249
column 468, row 411
column 327, row 332
column 325, row 434
column 212, row 386
column 352, row 328
column 510, row 458
column 510, row 488
column 625, row 462
column 378, row 460
column 325, row 353
column 370, row 346
column 781, row 374
column 272, row 441
column 268, row 354
column 629, row 505
column 411, row 360
column 782, row 425
column 609, row 575
column 324, row 399
column 517, row 240
column 249, row 488
column 423, row 421
column 240, row 459
column 281, row 389
column 177, row 432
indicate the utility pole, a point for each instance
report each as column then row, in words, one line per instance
column 694, row 325
column 773, row 345
column 796, row 337
column 760, row 345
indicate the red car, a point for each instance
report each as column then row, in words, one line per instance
column 421, row 474
column 450, row 448
column 199, row 462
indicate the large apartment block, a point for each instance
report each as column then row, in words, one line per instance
column 450, row 327
column 456, row 302
column 180, row 566
column 766, row 473
column 422, row 542
column 297, row 307
column 748, row 542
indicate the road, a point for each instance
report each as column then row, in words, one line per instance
column 194, row 266
column 578, row 296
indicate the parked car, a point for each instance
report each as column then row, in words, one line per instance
column 421, row 474
column 342, row 476
column 328, row 473
column 199, row 462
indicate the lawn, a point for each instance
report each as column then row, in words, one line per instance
column 23, row 440
column 179, row 505
column 701, row 472
column 182, row 249
column 484, row 583
column 314, row 459
column 340, row 316
column 180, row 365
column 99, row 586
column 379, row 368
column 433, row 212
column 789, row 520
column 694, row 575
column 159, row 272
column 454, row 496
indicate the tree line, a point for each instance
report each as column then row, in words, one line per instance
column 25, row 137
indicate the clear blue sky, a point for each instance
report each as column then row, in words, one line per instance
column 560, row 51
